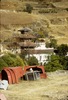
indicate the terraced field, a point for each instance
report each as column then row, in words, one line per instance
column 55, row 24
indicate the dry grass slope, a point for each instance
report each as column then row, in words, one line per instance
column 56, row 24
column 14, row 18
column 55, row 87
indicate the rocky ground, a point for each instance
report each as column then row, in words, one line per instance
column 55, row 87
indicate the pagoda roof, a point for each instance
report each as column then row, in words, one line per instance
column 27, row 44
column 25, row 36
column 26, row 29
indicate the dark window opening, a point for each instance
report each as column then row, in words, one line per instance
column 36, row 69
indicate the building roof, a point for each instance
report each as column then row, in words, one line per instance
column 32, row 51
column 26, row 29
column 27, row 44
column 25, row 36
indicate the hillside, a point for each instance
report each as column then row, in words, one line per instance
column 54, row 22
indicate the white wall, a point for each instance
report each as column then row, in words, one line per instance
column 42, row 58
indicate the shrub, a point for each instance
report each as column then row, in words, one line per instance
column 53, row 43
column 19, row 61
column 13, row 60
column 53, row 10
column 9, row 60
column 2, row 64
column 64, row 62
column 62, row 50
column 54, row 64
column 12, row 55
column 32, row 61
column 67, row 9
column 28, row 8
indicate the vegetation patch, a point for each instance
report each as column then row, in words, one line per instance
column 11, row 60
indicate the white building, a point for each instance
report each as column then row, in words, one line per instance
column 42, row 53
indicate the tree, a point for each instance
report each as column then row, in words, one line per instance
column 8, row 60
column 54, row 64
column 64, row 62
column 62, row 50
column 28, row 8
column 32, row 61
column 53, row 43
column 2, row 64
column 19, row 61
column 13, row 60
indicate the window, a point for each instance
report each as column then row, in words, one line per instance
column 40, row 58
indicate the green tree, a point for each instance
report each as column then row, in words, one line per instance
column 53, row 43
column 32, row 61
column 19, row 61
column 54, row 64
column 62, row 50
column 13, row 60
column 64, row 62
column 8, row 60
column 2, row 64
column 28, row 8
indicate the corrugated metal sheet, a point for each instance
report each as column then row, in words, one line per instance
column 13, row 74
column 39, row 68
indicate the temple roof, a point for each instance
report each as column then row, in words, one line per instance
column 27, row 44
column 26, row 29
column 25, row 36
